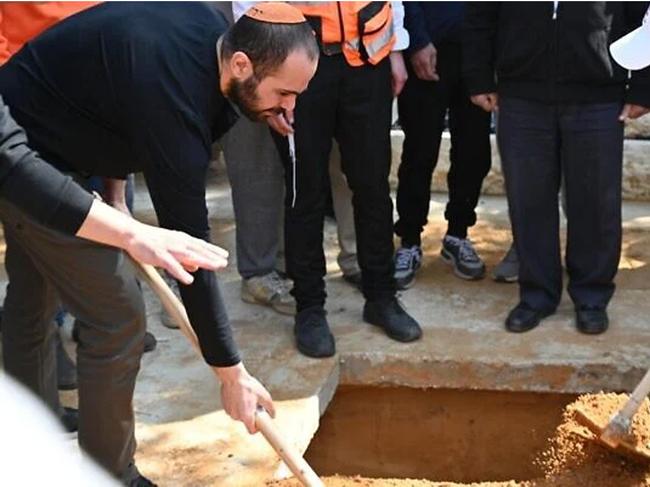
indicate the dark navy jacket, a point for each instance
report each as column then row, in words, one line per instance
column 435, row 22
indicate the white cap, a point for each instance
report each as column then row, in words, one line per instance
column 632, row 51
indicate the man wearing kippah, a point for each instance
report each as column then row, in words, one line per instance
column 121, row 88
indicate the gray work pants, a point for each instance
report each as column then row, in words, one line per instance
column 97, row 284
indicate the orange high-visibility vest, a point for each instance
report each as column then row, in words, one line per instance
column 22, row 21
column 362, row 31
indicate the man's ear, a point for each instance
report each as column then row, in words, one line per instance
column 241, row 66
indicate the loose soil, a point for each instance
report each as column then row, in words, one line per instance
column 570, row 458
column 596, row 412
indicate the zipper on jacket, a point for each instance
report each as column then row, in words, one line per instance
column 555, row 6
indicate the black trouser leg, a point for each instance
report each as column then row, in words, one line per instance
column 529, row 143
column 592, row 157
column 363, row 134
column 422, row 106
column 315, row 116
column 470, row 157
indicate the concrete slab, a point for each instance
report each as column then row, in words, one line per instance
column 185, row 439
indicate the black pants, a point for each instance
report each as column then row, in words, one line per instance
column 97, row 284
column 352, row 105
column 422, row 109
column 541, row 144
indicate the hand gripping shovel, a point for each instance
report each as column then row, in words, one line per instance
column 296, row 463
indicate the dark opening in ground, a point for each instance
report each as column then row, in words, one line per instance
column 435, row 434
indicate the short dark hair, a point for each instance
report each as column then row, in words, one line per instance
column 268, row 44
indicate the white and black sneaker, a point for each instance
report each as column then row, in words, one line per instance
column 407, row 261
column 460, row 253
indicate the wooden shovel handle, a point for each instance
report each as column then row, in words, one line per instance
column 636, row 398
column 170, row 302
column 296, row 463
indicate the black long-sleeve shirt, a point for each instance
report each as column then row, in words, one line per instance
column 130, row 87
column 34, row 186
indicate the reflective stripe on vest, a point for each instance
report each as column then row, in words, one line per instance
column 363, row 30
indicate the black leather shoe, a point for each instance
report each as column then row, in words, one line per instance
column 522, row 318
column 393, row 318
column 313, row 336
column 591, row 321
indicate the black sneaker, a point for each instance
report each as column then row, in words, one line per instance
column 392, row 317
column 508, row 269
column 460, row 253
column 313, row 336
column 70, row 420
column 407, row 261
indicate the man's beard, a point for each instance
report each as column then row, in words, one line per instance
column 244, row 95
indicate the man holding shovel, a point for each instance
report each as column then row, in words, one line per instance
column 123, row 88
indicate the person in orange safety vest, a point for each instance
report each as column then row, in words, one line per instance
column 350, row 99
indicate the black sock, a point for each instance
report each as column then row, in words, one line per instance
column 411, row 242
column 458, row 231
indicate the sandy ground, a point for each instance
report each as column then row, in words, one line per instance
column 186, row 440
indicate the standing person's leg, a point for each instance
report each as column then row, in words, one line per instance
column 97, row 284
column 342, row 201
column 529, row 142
column 257, row 181
column 307, row 183
column 592, row 160
column 363, row 134
column 28, row 333
column 471, row 157
column 422, row 106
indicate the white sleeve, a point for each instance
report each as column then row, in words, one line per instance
column 240, row 8
column 401, row 33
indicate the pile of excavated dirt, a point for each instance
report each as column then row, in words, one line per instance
column 600, row 408
column 573, row 457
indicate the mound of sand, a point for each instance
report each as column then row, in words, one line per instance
column 573, row 458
